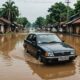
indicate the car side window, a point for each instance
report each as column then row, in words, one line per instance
column 30, row 37
column 34, row 38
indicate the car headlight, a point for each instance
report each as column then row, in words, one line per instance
column 50, row 54
column 72, row 52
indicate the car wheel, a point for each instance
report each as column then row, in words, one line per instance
column 39, row 58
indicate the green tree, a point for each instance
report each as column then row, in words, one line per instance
column 77, row 6
column 10, row 11
column 0, row 12
column 22, row 20
column 58, row 12
column 50, row 19
column 28, row 24
column 40, row 22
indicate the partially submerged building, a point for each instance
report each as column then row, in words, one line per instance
column 7, row 26
column 73, row 26
column 4, row 25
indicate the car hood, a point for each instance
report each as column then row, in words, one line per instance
column 56, row 46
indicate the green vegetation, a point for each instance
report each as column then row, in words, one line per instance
column 77, row 6
column 23, row 21
column 10, row 11
column 57, row 14
column 40, row 22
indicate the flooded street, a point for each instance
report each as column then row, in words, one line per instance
column 16, row 64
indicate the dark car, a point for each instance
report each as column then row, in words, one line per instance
column 47, row 47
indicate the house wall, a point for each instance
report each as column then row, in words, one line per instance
column 73, row 29
column 4, row 26
column 1, row 27
column 77, row 29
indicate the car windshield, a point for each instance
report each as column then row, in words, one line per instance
column 48, row 38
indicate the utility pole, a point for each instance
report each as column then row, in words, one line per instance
column 67, row 2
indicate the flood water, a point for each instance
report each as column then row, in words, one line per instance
column 15, row 64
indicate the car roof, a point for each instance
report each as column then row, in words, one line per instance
column 41, row 33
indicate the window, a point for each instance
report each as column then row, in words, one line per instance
column 34, row 38
column 48, row 38
column 30, row 37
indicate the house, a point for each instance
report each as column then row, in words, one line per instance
column 4, row 25
column 74, row 26
column 17, row 27
column 62, row 27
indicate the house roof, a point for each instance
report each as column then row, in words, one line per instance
column 74, row 21
column 5, row 21
column 77, row 21
column 17, row 24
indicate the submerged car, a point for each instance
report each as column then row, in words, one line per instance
column 48, row 47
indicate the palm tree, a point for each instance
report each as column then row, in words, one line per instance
column 10, row 11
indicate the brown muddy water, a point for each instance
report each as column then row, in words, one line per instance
column 15, row 64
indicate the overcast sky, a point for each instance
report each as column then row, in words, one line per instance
column 35, row 8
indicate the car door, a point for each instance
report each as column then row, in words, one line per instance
column 34, row 45
column 29, row 43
